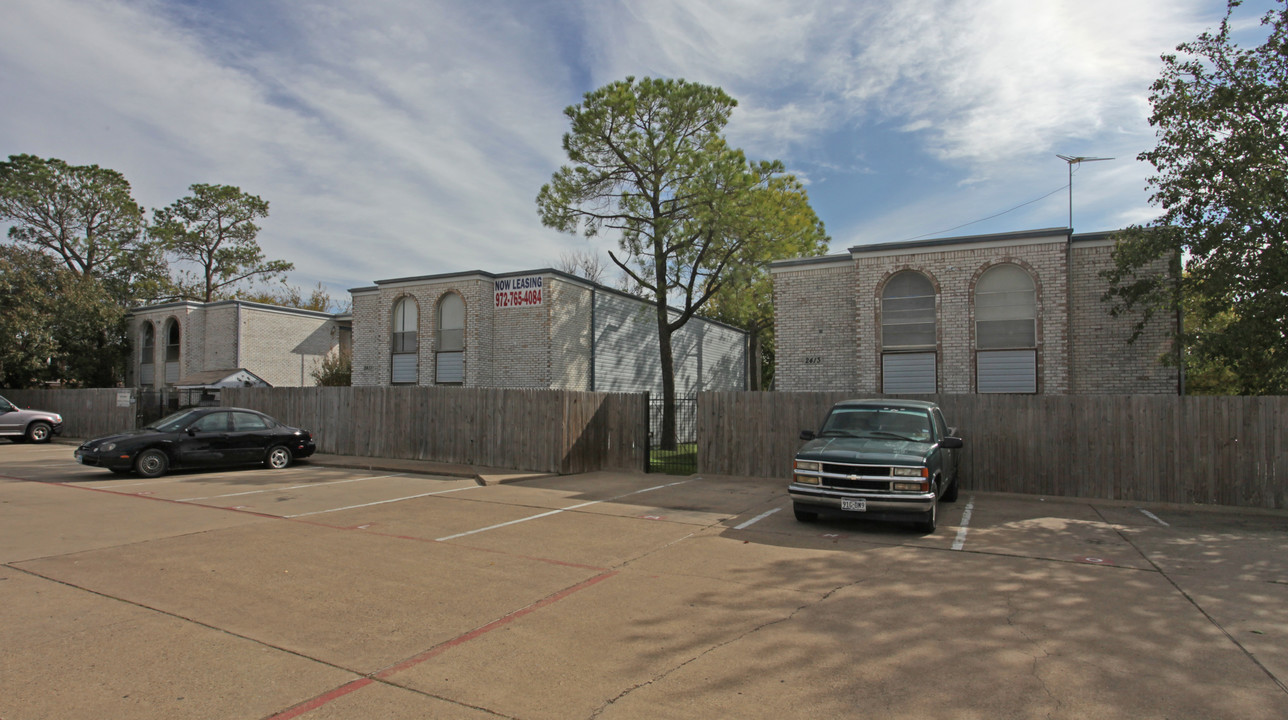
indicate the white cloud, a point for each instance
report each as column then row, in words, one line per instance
column 400, row 137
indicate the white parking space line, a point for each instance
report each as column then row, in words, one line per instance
column 756, row 519
column 556, row 512
column 960, row 542
column 291, row 487
column 382, row 502
column 1153, row 517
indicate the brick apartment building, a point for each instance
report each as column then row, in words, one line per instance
column 535, row 329
column 194, row 344
column 532, row 329
column 1012, row 313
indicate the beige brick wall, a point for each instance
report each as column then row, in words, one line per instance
column 279, row 345
column 1136, row 367
column 515, row 339
column 543, row 346
column 283, row 349
column 828, row 318
column 815, row 324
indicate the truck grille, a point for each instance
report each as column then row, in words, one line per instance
column 856, row 477
column 864, row 470
column 881, row 485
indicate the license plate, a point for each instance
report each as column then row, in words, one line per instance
column 859, row 505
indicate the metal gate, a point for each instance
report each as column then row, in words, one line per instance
column 153, row 405
column 682, row 459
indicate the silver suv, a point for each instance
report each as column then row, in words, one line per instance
column 20, row 424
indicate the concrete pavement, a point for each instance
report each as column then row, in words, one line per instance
column 328, row 592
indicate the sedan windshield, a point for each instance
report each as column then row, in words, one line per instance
column 176, row 422
column 878, row 422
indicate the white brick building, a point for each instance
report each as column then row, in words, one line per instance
column 533, row 329
column 181, row 343
column 1015, row 312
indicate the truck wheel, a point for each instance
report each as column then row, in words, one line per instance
column 950, row 495
column 929, row 520
column 804, row 515
column 39, row 432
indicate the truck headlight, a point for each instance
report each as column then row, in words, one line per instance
column 809, row 465
column 911, row 486
column 910, row 472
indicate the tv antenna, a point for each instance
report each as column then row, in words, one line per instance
column 1075, row 160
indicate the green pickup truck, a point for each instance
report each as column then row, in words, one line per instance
column 878, row 460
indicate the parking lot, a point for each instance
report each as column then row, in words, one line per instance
column 322, row 592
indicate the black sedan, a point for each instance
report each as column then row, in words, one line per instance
column 201, row 437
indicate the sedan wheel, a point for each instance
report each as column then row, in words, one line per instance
column 278, row 457
column 151, row 463
column 39, row 432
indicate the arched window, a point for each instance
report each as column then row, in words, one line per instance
column 450, row 359
column 171, row 351
column 405, row 321
column 1006, row 336
column 148, row 355
column 908, row 334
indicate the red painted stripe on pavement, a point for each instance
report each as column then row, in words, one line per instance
column 444, row 647
column 140, row 496
column 326, row 698
column 321, row 700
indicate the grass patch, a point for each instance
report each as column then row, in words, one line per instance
column 683, row 460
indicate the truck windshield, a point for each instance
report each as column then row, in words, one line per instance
column 878, row 422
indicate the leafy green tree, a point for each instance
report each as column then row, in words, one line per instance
column 214, row 228
column 78, row 258
column 59, row 325
column 25, row 306
column 83, row 215
column 789, row 228
column 1221, row 113
column 1205, row 375
column 649, row 163
column 336, row 369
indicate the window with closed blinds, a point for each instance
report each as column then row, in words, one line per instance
column 1006, row 331
column 450, row 359
column 908, row 335
column 147, row 370
column 404, row 364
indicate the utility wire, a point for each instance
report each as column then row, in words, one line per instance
column 990, row 217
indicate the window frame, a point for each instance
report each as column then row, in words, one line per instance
column 404, row 343
column 456, row 355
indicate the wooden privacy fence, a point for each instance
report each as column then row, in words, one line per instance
column 535, row 430
column 86, row 413
column 1147, row 448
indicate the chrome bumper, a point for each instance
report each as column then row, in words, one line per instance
column 877, row 502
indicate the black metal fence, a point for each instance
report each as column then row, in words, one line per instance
column 680, row 457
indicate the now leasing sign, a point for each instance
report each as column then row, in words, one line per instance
column 519, row 291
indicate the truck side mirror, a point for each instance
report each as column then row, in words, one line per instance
column 951, row 443
column 807, row 435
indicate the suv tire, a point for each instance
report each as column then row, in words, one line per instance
column 39, row 432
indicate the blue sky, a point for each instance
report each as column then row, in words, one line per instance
column 410, row 137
